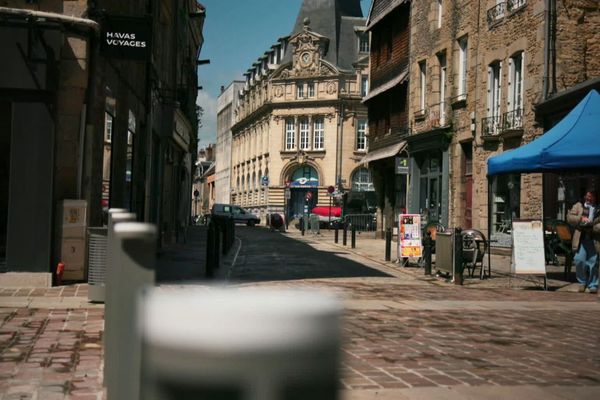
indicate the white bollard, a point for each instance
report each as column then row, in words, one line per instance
column 134, row 258
column 248, row 344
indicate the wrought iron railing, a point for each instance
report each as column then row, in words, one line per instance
column 490, row 126
column 513, row 5
column 513, row 120
column 362, row 222
column 496, row 13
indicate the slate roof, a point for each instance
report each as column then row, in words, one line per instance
column 334, row 19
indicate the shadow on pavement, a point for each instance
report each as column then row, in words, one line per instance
column 269, row 256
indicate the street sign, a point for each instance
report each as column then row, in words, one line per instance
column 330, row 189
column 401, row 165
column 308, row 196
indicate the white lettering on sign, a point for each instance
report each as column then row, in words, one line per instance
column 123, row 39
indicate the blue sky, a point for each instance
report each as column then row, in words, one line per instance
column 236, row 33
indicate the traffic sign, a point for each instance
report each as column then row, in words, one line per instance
column 330, row 189
column 308, row 196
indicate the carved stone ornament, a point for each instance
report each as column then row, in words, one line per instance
column 278, row 91
column 330, row 88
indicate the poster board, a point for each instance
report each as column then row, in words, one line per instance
column 528, row 248
column 409, row 236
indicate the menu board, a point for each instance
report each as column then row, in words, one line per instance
column 528, row 247
column 409, row 236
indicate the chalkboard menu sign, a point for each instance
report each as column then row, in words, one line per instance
column 528, row 247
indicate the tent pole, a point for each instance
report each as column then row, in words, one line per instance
column 489, row 214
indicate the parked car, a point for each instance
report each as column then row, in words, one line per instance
column 239, row 214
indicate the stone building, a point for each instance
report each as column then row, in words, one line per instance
column 78, row 105
column 300, row 125
column 226, row 104
column 483, row 79
column 388, row 25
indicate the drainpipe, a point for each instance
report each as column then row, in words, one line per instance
column 549, row 80
column 340, row 135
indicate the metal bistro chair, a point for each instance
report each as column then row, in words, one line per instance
column 561, row 243
column 474, row 247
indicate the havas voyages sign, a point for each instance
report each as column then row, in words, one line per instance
column 127, row 38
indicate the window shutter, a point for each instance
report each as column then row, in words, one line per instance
column 511, row 88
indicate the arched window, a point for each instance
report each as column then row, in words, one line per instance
column 305, row 176
column 362, row 180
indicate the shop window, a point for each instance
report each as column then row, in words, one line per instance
column 506, row 199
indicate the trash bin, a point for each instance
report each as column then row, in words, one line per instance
column 97, row 243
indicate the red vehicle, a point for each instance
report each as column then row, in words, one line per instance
column 324, row 214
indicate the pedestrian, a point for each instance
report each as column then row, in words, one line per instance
column 585, row 218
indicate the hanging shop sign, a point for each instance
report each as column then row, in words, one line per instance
column 401, row 165
column 127, row 38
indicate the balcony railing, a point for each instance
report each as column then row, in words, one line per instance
column 490, row 126
column 497, row 124
column 514, row 5
column 513, row 120
column 496, row 13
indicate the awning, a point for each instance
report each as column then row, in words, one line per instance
column 389, row 151
column 387, row 86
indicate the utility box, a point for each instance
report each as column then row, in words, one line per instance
column 97, row 245
column 444, row 252
column 71, row 237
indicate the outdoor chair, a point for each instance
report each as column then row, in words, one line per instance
column 474, row 247
column 560, row 243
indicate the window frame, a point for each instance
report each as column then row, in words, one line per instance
column 304, row 133
column 319, row 133
column 463, row 53
column 423, row 85
column 361, row 142
column 290, row 134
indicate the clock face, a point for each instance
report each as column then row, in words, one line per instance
column 305, row 58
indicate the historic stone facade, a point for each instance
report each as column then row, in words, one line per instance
column 478, row 72
column 300, row 124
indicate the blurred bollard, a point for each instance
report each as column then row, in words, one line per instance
column 458, row 257
column 113, row 290
column 353, row 237
column 239, row 344
column 388, row 245
column 427, row 250
column 336, row 234
column 345, row 235
column 302, row 225
column 135, row 254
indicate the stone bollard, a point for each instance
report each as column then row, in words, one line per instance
column 112, row 290
column 135, row 255
column 263, row 344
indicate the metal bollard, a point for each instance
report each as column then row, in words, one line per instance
column 345, row 235
column 113, row 291
column 388, row 245
column 353, row 237
column 302, row 225
column 135, row 255
column 210, row 250
column 336, row 234
column 458, row 257
column 261, row 344
column 427, row 250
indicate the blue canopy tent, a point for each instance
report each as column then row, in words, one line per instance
column 572, row 144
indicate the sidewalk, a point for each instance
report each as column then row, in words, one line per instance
column 374, row 249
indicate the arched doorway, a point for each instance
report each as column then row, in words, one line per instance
column 303, row 183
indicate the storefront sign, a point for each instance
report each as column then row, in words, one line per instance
column 409, row 236
column 127, row 38
column 401, row 165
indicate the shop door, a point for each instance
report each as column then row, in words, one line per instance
column 430, row 193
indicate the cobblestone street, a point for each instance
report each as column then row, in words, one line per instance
column 404, row 337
